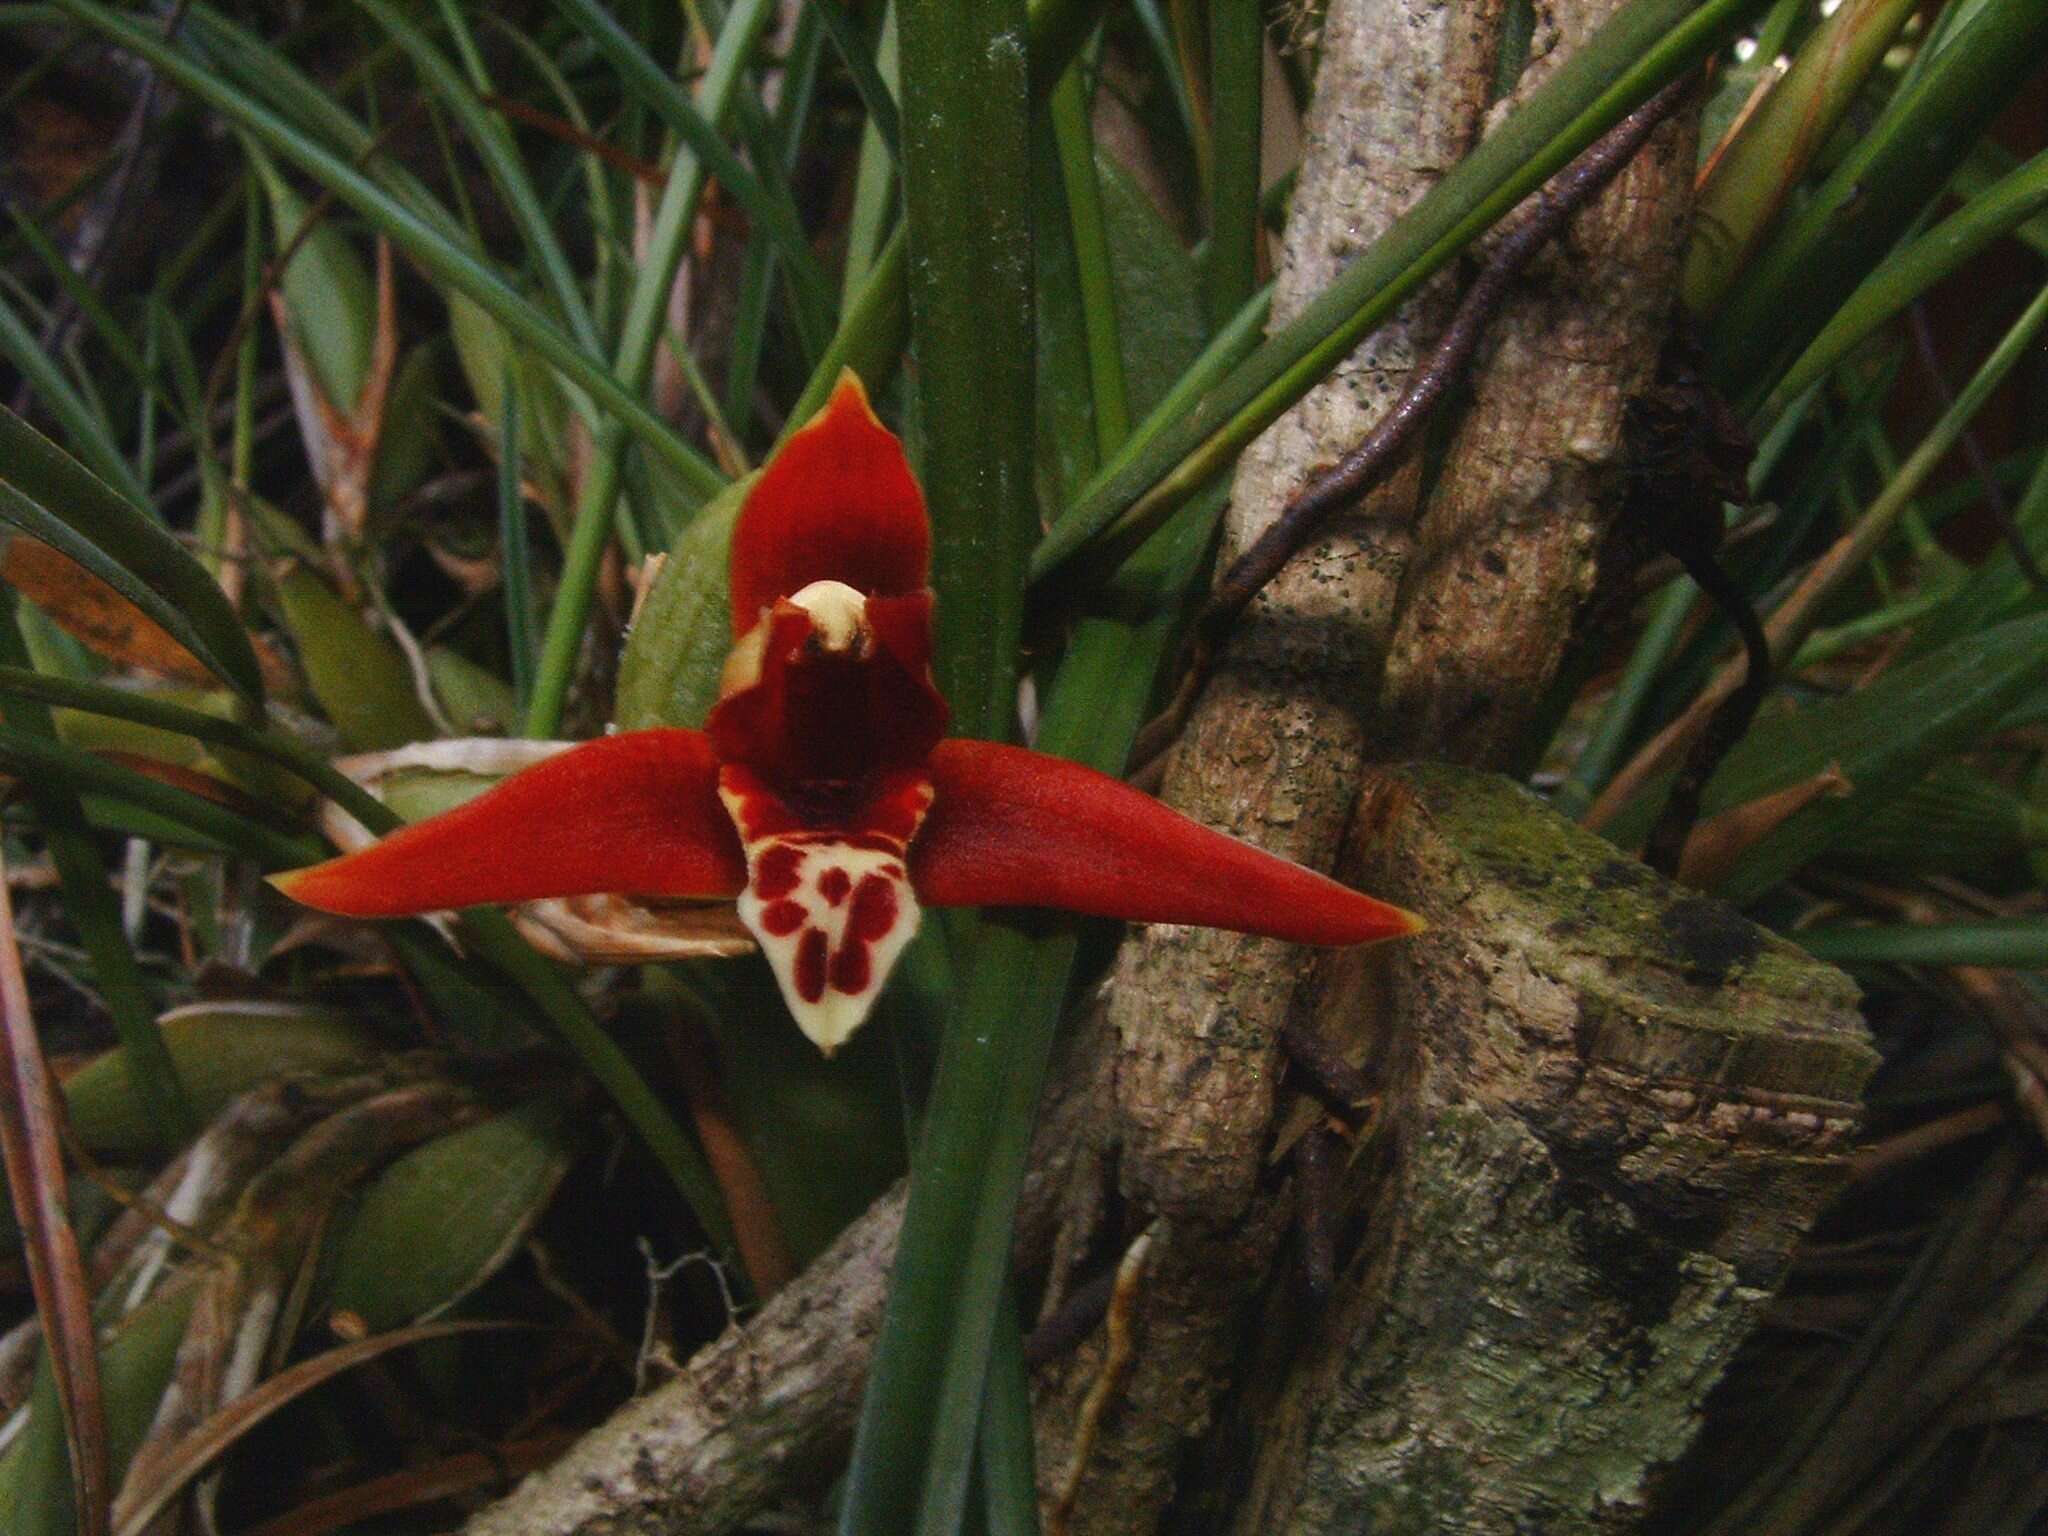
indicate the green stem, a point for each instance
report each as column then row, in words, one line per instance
column 2017, row 943
column 1076, row 146
column 1236, row 63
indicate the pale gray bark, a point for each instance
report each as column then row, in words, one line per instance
column 754, row 1416
column 1611, row 1108
column 1185, row 1077
column 1506, row 550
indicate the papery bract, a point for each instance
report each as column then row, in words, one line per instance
column 821, row 793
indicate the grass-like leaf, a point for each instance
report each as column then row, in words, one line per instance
column 50, row 495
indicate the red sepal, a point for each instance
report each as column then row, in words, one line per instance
column 1011, row 828
column 837, row 502
column 637, row 814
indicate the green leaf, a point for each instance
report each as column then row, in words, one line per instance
column 1917, row 267
column 359, row 676
column 429, row 237
column 1753, row 176
column 967, row 202
column 669, row 670
column 1874, row 194
column 222, row 1050
column 135, row 1367
column 1237, row 61
column 47, row 493
column 1956, row 821
column 1885, row 737
column 445, row 1217
column 632, row 365
column 1644, row 46
column 2019, row 943
column 330, row 299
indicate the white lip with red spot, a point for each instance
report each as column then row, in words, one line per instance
column 832, row 910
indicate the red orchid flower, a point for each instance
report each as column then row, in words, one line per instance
column 821, row 792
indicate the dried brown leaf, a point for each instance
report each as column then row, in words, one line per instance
column 35, row 1180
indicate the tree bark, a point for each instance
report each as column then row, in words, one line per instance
column 1506, row 549
column 1610, row 1108
column 1184, row 1082
column 756, row 1415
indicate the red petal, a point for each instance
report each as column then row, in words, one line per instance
column 637, row 814
column 1011, row 828
column 819, row 717
column 836, row 503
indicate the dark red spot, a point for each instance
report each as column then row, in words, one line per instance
column 833, row 886
column 892, row 871
column 874, row 910
column 850, row 969
column 775, row 872
column 782, row 918
column 810, row 965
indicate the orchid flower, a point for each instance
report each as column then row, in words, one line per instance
column 822, row 792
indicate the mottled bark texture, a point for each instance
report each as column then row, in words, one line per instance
column 1185, row 1089
column 1610, row 1108
column 1506, row 548
column 756, row 1416
column 1531, row 1323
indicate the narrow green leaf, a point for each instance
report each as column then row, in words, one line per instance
column 646, row 312
column 517, row 589
column 1917, row 267
column 874, row 177
column 427, row 238
column 33, row 756
column 1997, row 588
column 1075, row 142
column 967, row 198
column 1754, row 175
column 47, row 493
column 83, row 423
column 488, row 134
column 1884, row 737
column 869, row 75
column 1874, row 194
column 1237, row 39
column 767, row 204
column 2017, row 943
column 1644, row 46
column 93, row 906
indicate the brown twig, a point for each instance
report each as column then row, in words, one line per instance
column 1072, row 1321
column 1366, row 465
column 1334, row 1080
column 35, row 1180
column 1314, row 1179
column 1120, row 1323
